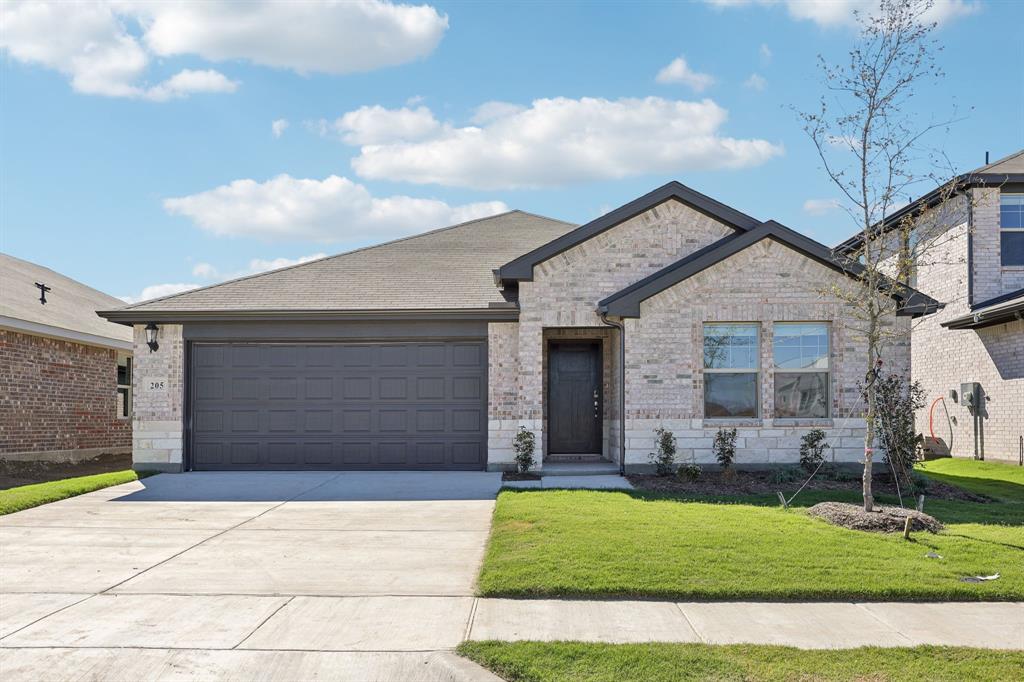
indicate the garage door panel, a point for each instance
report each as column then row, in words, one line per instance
column 339, row 406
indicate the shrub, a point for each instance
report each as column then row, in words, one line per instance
column 664, row 459
column 525, row 444
column 724, row 448
column 688, row 471
column 812, row 449
column 897, row 401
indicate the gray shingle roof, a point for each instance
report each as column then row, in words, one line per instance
column 70, row 310
column 1014, row 163
column 446, row 269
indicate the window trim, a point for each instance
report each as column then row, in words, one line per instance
column 755, row 370
column 827, row 370
column 1009, row 229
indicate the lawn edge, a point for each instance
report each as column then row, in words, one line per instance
column 62, row 489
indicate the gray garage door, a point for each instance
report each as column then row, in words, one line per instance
column 274, row 406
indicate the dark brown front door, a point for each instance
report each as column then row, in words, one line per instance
column 574, row 398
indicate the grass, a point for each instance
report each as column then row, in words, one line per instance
column 580, row 662
column 1003, row 482
column 595, row 544
column 27, row 496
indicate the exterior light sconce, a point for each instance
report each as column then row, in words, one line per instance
column 151, row 330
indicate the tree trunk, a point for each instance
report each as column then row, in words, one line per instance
column 872, row 404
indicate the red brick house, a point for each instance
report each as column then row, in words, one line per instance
column 65, row 373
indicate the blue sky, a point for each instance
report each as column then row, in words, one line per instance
column 155, row 163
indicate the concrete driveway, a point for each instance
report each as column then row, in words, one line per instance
column 364, row 575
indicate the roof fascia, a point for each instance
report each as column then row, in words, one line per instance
column 500, row 313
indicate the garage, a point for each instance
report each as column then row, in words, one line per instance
column 373, row 405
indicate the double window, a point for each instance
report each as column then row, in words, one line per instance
column 1011, row 229
column 800, row 358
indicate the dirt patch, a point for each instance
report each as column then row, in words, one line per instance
column 13, row 474
column 788, row 480
column 516, row 476
column 881, row 520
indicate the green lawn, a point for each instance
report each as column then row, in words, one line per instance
column 1004, row 482
column 634, row 544
column 579, row 662
column 26, row 496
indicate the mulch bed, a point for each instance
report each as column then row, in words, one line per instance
column 514, row 476
column 759, row 482
column 880, row 520
column 13, row 474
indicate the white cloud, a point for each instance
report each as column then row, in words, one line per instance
column 377, row 125
column 819, row 207
column 257, row 265
column 678, row 71
column 829, row 13
column 187, row 82
column 766, row 53
column 559, row 141
column 328, row 210
column 329, row 36
column 492, row 111
column 755, row 82
column 158, row 291
column 106, row 47
column 278, row 127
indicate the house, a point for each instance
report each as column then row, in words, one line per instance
column 430, row 352
column 969, row 357
column 65, row 374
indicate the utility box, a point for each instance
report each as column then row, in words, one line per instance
column 970, row 396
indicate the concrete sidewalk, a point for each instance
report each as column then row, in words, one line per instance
column 813, row 625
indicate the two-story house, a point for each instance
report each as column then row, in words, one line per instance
column 969, row 357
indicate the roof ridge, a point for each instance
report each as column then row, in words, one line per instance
column 61, row 275
column 336, row 255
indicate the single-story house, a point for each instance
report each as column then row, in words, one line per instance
column 430, row 352
column 969, row 358
column 65, row 374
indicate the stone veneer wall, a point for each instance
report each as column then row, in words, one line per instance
column 58, row 400
column 943, row 358
column 157, row 429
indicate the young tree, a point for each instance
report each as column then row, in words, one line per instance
column 871, row 145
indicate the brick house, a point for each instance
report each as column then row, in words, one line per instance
column 430, row 352
column 65, row 373
column 978, row 337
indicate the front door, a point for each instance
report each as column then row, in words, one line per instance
column 574, row 398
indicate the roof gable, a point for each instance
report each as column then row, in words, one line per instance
column 626, row 303
column 521, row 269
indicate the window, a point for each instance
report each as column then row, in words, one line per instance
column 801, row 352
column 730, row 370
column 1011, row 229
column 124, row 385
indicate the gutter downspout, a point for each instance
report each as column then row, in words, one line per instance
column 622, row 388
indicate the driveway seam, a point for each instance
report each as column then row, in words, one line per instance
column 471, row 620
column 217, row 535
column 28, row 625
column 262, row 622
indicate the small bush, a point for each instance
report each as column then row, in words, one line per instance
column 787, row 475
column 840, row 474
column 689, row 472
column 664, row 459
column 724, row 448
column 525, row 444
column 812, row 449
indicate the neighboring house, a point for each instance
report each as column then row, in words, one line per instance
column 65, row 374
column 977, row 271
column 431, row 352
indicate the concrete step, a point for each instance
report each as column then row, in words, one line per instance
column 578, row 468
